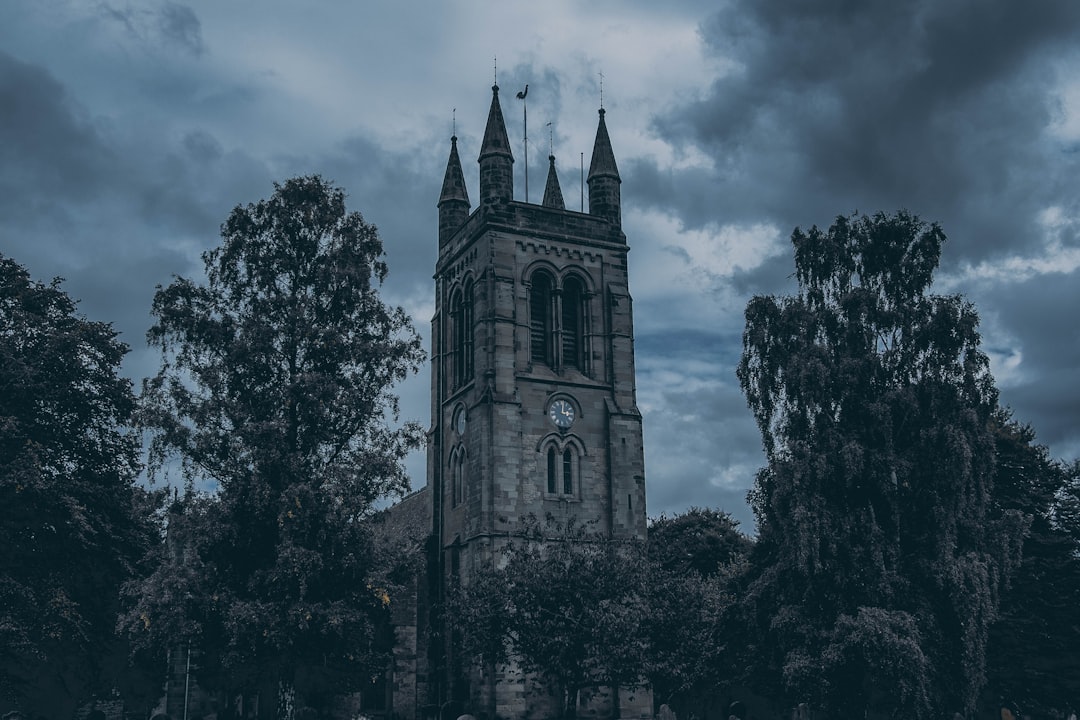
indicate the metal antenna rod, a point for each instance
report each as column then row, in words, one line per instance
column 551, row 140
column 582, row 182
column 601, row 90
column 454, row 111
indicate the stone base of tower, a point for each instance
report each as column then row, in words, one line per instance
column 506, row 693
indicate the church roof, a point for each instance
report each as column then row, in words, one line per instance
column 453, row 185
column 408, row 521
column 603, row 157
column 552, row 192
column 496, row 141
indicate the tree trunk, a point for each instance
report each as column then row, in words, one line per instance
column 286, row 708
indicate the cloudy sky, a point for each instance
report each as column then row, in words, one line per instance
column 130, row 128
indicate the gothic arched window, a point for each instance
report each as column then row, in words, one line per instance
column 540, row 306
column 568, row 472
column 551, row 471
column 461, row 322
column 457, row 478
column 573, row 323
column 563, row 470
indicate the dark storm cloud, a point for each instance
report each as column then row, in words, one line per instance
column 940, row 107
column 1046, row 398
column 827, row 107
column 394, row 189
column 49, row 152
column 115, row 213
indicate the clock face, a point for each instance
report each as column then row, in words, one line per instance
column 459, row 422
column 561, row 413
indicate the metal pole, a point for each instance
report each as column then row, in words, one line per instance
column 525, row 107
column 187, row 680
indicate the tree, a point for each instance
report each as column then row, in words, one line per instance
column 74, row 525
column 879, row 563
column 275, row 391
column 562, row 603
column 688, row 655
column 1032, row 659
column 702, row 540
column 694, row 558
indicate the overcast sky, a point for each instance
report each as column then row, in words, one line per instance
column 130, row 128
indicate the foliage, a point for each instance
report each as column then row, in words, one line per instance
column 879, row 563
column 74, row 524
column 702, row 540
column 275, row 389
column 1032, row 660
column 564, row 603
column 693, row 559
column 688, row 652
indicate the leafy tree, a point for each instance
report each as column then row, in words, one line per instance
column 1032, row 658
column 688, row 653
column 879, row 561
column 562, row 603
column 702, row 540
column 694, row 558
column 74, row 525
column 275, row 390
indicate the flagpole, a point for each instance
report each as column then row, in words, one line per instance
column 525, row 107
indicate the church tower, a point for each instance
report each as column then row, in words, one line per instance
column 533, row 400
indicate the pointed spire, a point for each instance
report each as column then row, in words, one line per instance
column 496, row 160
column 454, row 199
column 552, row 192
column 604, row 180
column 603, row 158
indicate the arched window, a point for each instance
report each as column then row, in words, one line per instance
column 568, row 472
column 457, row 478
column 551, row 471
column 563, row 469
column 540, row 318
column 461, row 320
column 573, row 324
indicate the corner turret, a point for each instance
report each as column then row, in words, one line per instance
column 552, row 192
column 496, row 160
column 604, row 194
column 454, row 199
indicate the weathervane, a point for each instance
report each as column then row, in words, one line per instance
column 521, row 96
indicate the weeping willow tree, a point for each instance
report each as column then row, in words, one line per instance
column 879, row 564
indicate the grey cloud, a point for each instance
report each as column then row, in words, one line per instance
column 1049, row 396
column 834, row 107
column 180, row 25
column 175, row 23
column 838, row 106
column 48, row 148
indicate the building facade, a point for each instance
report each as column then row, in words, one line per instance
column 533, row 401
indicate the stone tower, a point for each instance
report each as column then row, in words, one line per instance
column 533, row 401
